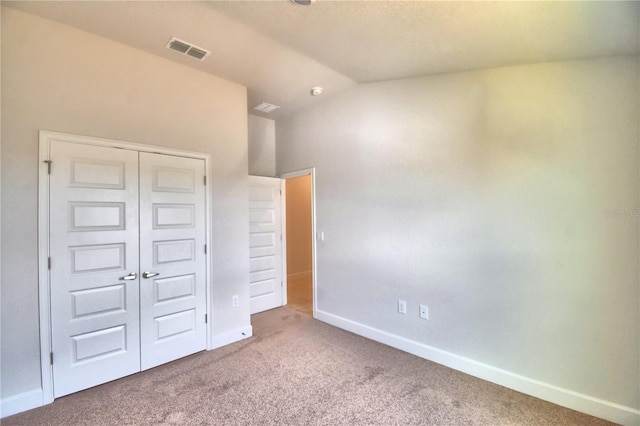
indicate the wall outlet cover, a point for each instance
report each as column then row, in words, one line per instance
column 402, row 307
column 424, row 312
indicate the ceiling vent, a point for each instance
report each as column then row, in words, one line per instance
column 187, row 48
column 265, row 107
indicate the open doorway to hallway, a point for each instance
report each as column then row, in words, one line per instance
column 299, row 242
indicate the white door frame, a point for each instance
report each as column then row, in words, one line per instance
column 45, row 139
column 314, row 274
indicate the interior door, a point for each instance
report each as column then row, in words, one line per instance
column 127, row 262
column 265, row 243
column 172, row 257
column 94, row 265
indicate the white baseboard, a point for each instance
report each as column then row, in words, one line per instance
column 623, row 415
column 33, row 399
column 228, row 337
column 21, row 402
column 304, row 274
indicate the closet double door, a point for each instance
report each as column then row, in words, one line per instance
column 127, row 262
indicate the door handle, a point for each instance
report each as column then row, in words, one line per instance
column 146, row 274
column 131, row 276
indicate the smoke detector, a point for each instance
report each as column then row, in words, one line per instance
column 316, row 91
column 187, row 48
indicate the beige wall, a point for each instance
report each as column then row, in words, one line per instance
column 499, row 198
column 299, row 225
column 62, row 79
column 262, row 146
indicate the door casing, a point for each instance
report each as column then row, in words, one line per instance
column 314, row 274
column 44, row 295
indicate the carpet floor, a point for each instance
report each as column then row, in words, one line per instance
column 299, row 371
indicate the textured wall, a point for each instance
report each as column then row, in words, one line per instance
column 262, row 146
column 61, row 79
column 504, row 199
column 299, row 225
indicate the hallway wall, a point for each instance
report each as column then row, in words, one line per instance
column 299, row 260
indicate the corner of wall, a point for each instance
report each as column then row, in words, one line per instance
column 564, row 397
column 228, row 337
column 261, row 146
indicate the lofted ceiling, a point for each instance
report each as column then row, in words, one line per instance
column 280, row 50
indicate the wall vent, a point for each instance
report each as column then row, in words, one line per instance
column 265, row 107
column 187, row 48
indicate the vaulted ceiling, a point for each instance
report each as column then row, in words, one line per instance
column 280, row 50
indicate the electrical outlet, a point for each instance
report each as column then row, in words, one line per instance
column 424, row 312
column 402, row 307
column 235, row 301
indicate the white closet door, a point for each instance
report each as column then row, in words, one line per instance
column 265, row 243
column 172, row 257
column 94, row 265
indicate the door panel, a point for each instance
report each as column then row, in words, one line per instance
column 94, row 244
column 265, row 244
column 172, row 245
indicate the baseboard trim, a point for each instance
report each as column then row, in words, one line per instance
column 33, row 399
column 21, row 402
column 228, row 337
column 623, row 415
column 305, row 274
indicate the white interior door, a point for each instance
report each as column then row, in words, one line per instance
column 94, row 265
column 128, row 262
column 172, row 257
column 265, row 243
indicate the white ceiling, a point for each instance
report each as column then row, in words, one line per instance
column 280, row 50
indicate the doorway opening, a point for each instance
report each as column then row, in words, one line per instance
column 300, row 244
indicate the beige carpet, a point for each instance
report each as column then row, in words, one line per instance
column 299, row 371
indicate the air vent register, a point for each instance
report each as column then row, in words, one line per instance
column 187, row 48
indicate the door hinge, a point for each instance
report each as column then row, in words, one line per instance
column 48, row 263
column 51, row 357
column 205, row 181
column 48, row 166
column 205, row 249
column 205, row 318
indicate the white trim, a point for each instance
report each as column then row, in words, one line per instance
column 43, row 271
column 314, row 270
column 45, row 139
column 567, row 398
column 91, row 140
column 21, row 402
column 283, row 243
column 228, row 337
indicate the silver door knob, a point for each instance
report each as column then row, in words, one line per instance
column 131, row 276
column 146, row 274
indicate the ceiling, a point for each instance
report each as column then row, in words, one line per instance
column 280, row 50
